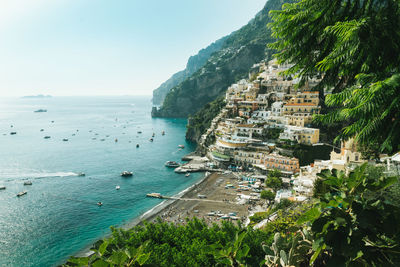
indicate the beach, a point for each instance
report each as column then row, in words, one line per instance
column 218, row 199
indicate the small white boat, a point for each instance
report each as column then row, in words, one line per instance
column 2, row 187
column 47, row 137
column 187, row 174
column 117, row 187
column 27, row 183
column 181, row 146
column 163, row 133
column 81, row 174
column 65, row 139
column 99, row 204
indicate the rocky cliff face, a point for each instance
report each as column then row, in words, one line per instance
column 194, row 63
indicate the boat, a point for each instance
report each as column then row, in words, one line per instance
column 172, row 164
column 99, row 204
column 21, row 193
column 139, row 132
column 2, row 187
column 41, row 130
column 153, row 135
column 126, row 174
column 41, row 110
column 117, row 187
column 163, row 133
column 187, row 174
column 156, row 195
column 116, row 140
column 12, row 133
column 28, row 183
column 47, row 137
column 65, row 139
column 181, row 146
column 137, row 145
column 151, row 140
column 81, row 174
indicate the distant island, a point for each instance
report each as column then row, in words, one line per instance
column 37, row 96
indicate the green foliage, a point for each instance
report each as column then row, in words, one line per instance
column 274, row 180
column 289, row 250
column 201, row 121
column 354, row 44
column 191, row 244
column 352, row 223
column 272, row 133
column 258, row 217
column 267, row 195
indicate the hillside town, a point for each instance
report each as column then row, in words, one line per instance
column 261, row 114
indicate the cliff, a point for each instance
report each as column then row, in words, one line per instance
column 194, row 63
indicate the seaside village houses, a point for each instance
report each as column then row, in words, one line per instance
column 262, row 111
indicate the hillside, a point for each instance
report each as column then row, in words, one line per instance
column 239, row 52
column 194, row 63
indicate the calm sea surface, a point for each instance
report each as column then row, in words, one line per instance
column 58, row 216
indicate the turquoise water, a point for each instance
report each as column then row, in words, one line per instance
column 58, row 216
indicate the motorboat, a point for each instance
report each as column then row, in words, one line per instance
column 65, row 139
column 27, row 183
column 151, row 140
column 81, row 174
column 153, row 135
column 117, row 187
column 41, row 130
column 47, row 137
column 2, row 187
column 21, row 193
column 139, row 132
column 172, row 164
column 163, row 133
column 126, row 174
column 137, row 145
column 41, row 110
column 99, row 204
column 187, row 174
column 156, row 195
column 12, row 133
column 181, row 146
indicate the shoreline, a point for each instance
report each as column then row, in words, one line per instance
column 149, row 215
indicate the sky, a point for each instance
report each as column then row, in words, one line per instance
column 107, row 47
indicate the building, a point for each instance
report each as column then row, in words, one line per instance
column 302, row 135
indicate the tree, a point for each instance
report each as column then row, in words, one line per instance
column 274, row 183
column 267, row 195
column 354, row 45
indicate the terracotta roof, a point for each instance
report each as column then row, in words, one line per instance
column 310, row 92
column 246, row 125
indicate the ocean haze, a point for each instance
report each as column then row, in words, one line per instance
column 58, row 216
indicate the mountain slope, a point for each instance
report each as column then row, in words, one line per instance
column 240, row 51
column 194, row 63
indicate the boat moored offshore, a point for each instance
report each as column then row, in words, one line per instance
column 172, row 164
column 126, row 174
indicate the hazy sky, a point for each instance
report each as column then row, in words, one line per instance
column 107, row 47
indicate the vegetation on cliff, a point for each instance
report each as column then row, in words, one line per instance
column 201, row 121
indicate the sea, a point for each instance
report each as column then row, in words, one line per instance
column 59, row 215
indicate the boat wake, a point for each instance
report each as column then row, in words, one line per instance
column 38, row 175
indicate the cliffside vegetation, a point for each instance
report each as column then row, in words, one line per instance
column 239, row 52
column 200, row 122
